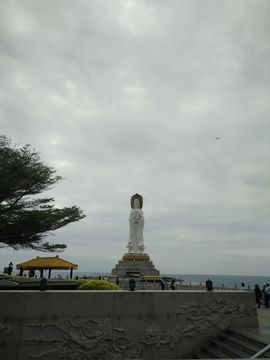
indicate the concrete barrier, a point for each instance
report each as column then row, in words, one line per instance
column 117, row 324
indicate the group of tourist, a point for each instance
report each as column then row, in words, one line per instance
column 162, row 283
column 260, row 294
column 263, row 294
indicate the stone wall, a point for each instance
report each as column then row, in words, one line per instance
column 117, row 324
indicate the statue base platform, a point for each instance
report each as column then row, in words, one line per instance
column 135, row 264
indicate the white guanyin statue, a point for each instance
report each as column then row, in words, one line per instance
column 136, row 224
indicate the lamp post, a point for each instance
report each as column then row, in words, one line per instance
column 10, row 268
column 43, row 284
column 132, row 284
column 209, row 285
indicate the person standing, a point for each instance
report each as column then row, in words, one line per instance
column 263, row 291
column 242, row 287
column 258, row 295
column 267, row 295
column 162, row 282
column 172, row 285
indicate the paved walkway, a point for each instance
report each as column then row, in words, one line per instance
column 263, row 332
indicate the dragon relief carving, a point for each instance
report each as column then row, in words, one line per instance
column 154, row 336
column 216, row 313
column 97, row 341
column 92, row 340
column 7, row 328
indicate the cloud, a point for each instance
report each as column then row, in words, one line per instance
column 129, row 97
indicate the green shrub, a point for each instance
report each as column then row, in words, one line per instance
column 69, row 279
column 81, row 281
column 85, row 284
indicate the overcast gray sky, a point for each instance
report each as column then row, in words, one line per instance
column 126, row 97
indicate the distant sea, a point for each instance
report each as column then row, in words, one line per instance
column 229, row 281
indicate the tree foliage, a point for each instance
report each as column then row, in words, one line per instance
column 26, row 218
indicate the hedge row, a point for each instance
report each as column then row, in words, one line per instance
column 85, row 284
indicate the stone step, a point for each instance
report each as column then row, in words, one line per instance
column 232, row 345
column 230, row 351
column 213, row 353
column 200, row 355
column 243, row 344
column 259, row 344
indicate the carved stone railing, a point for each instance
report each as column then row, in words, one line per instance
column 124, row 285
column 179, row 285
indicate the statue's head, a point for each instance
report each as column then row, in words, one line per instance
column 139, row 201
column 136, row 204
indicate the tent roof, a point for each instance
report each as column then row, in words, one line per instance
column 47, row 263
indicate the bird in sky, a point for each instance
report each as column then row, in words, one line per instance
column 217, row 138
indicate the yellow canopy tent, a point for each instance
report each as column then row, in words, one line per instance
column 47, row 263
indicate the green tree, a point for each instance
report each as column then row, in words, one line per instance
column 26, row 218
